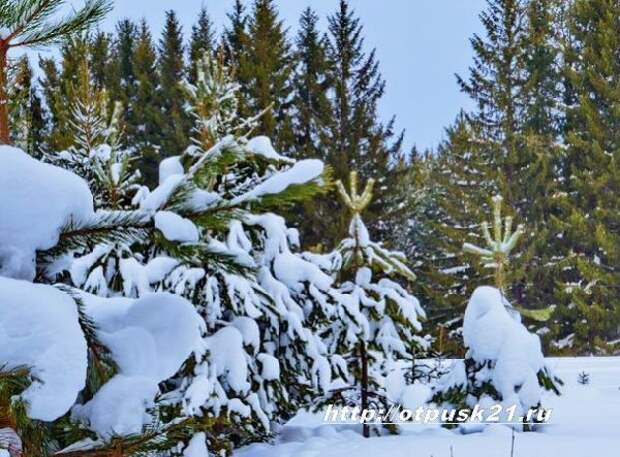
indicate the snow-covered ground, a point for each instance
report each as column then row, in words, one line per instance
column 585, row 422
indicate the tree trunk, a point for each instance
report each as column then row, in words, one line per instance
column 364, row 385
column 4, row 102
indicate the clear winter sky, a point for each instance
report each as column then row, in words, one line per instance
column 420, row 44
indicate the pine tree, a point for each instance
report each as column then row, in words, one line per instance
column 495, row 339
column 96, row 153
column 25, row 25
column 377, row 318
column 174, row 122
column 201, row 41
column 234, row 259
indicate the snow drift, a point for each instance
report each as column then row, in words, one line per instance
column 39, row 329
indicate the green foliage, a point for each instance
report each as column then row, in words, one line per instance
column 25, row 109
column 588, row 222
column 174, row 123
column 32, row 23
column 202, row 41
column 14, row 411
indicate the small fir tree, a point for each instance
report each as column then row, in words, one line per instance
column 377, row 319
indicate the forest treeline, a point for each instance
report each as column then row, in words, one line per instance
column 544, row 133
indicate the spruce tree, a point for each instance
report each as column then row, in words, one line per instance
column 147, row 99
column 310, row 89
column 311, row 111
column 57, row 86
column 356, row 138
column 269, row 66
column 588, row 225
column 101, row 59
column 174, row 124
column 25, row 110
column 515, row 84
column 461, row 176
column 236, row 44
column 123, row 81
column 202, row 40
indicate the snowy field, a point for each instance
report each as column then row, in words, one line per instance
column 585, row 422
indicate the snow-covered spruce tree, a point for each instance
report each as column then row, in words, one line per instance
column 377, row 319
column 504, row 362
column 203, row 233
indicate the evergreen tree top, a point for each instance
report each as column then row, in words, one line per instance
column 355, row 202
column 359, row 250
column 499, row 246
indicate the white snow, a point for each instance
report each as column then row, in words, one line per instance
column 293, row 270
column 149, row 339
column 491, row 333
column 261, row 145
column 36, row 200
column 228, row 358
column 584, row 422
column 175, row 227
column 152, row 201
column 157, row 269
column 39, row 329
column 270, row 367
column 170, row 166
column 302, row 172
column 197, row 446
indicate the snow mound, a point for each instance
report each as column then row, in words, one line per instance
column 39, row 329
column 302, row 172
column 261, row 145
column 149, row 339
column 175, row 227
column 36, row 200
column 491, row 333
column 228, row 357
column 170, row 166
column 197, row 446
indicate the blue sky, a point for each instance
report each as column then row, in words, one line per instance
column 420, row 44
